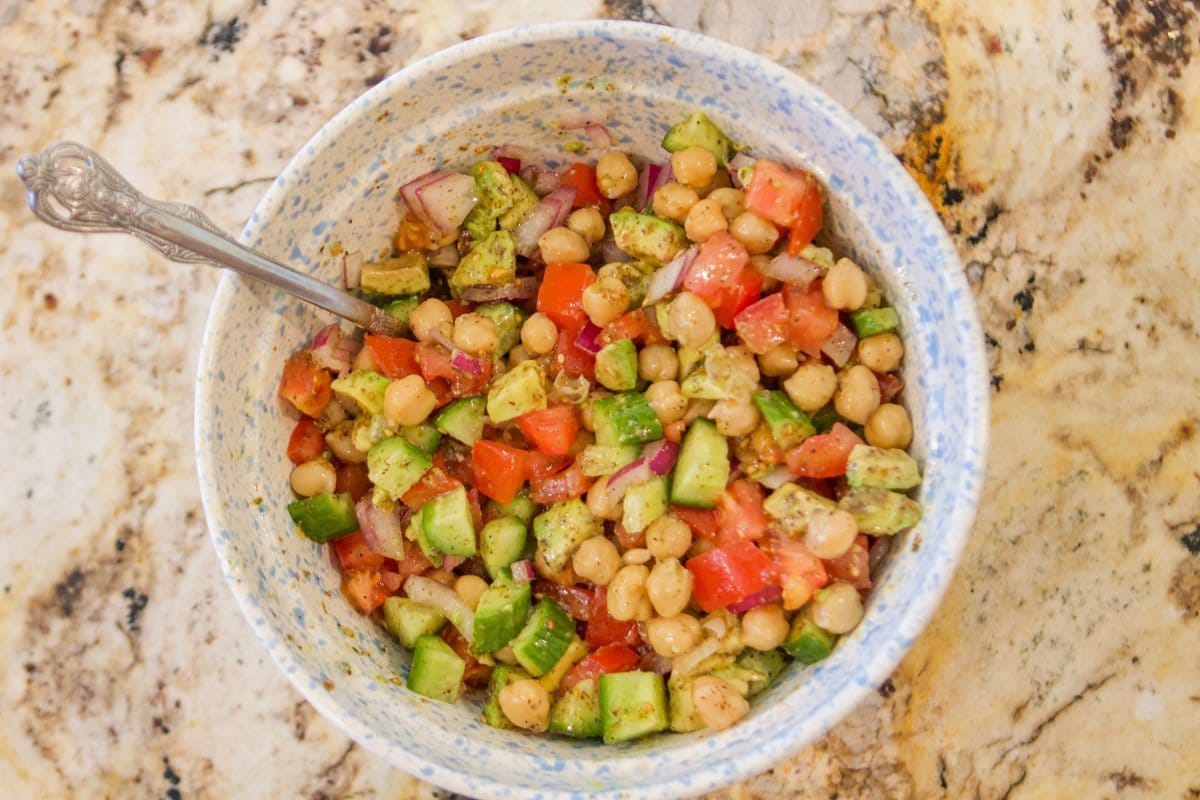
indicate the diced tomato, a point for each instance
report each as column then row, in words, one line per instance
column 569, row 483
column 476, row 508
column 740, row 514
column 809, row 218
column 572, row 359
column 854, row 566
column 353, row 478
column 587, row 192
column 305, row 383
column 413, row 563
column 434, row 363
column 353, row 553
column 889, row 387
column 602, row 661
column 575, row 600
column 396, row 357
column 441, row 390
column 702, row 521
column 811, row 321
column 433, row 483
column 455, row 460
column 602, row 629
column 800, row 572
column 823, row 455
column 561, row 295
column 780, row 194
column 740, row 295
column 500, row 470
column 764, row 324
column 629, row 540
column 635, row 325
column 725, row 575
column 542, row 466
column 306, row 442
column 551, row 430
column 718, row 266
column 475, row 675
column 368, row 588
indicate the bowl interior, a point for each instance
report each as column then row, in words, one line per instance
column 521, row 88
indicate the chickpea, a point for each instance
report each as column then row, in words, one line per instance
column 601, row 502
column 717, row 703
column 889, row 426
column 605, row 300
column 845, row 286
column 668, row 402
column 669, row 587
column 526, row 703
column 735, row 417
column 764, row 627
column 539, row 334
column 627, row 592
column 314, row 477
column 857, row 394
column 690, row 320
column 615, row 174
column 756, row 234
column 563, row 244
column 694, row 166
column 636, row 555
column 780, row 360
column 340, row 442
column 830, row 532
column 519, row 354
column 408, row 401
column 732, row 201
column 837, row 608
column 588, row 223
column 476, row 334
column 671, row 637
column 596, row 560
column 363, row 359
column 698, row 407
column 668, row 537
column 811, row 386
column 658, row 362
column 881, row 352
column 470, row 588
column 431, row 316
column 673, row 201
column 703, row 220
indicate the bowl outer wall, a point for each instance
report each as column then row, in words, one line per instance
column 880, row 208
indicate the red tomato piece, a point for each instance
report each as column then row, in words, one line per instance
column 602, row 629
column 809, row 218
column 702, row 521
column 780, row 194
column 587, row 192
column 434, row 363
column 542, row 466
column 551, row 430
column 740, row 295
column 634, row 325
column 441, row 390
column 717, row 267
column 500, row 470
column 413, row 563
column 353, row 553
column 823, row 455
column 811, row 321
column 602, row 661
column 764, row 324
column 725, row 575
column 305, row 383
column 397, row 358
column 476, row 508
column 433, row 483
column 800, row 572
column 740, row 514
column 569, row 483
column 854, row 566
column 306, row 442
column 368, row 588
column 476, row 674
column 561, row 294
column 353, row 478
column 571, row 359
column 455, row 460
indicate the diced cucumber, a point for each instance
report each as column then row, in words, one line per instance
column 437, row 671
column 462, row 419
column 683, row 715
column 699, row 131
column 625, row 418
column 760, row 669
column 491, row 262
column 576, row 652
column 501, row 543
column 324, row 517
column 500, row 615
column 560, row 530
column 703, row 466
column 617, row 366
column 520, row 507
column 365, row 388
column 806, row 642
column 502, row 675
column 395, row 466
column 406, row 274
column 790, row 505
column 448, row 523
column 874, row 320
column 508, row 320
column 402, row 307
column 602, row 459
column 789, row 425
column 644, row 503
column 880, row 512
column 632, row 705
column 424, row 437
column 647, row 237
column 577, row 713
column 880, row 468
column 520, row 390
column 544, row 639
column 409, row 620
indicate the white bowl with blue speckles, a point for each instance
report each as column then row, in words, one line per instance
column 502, row 88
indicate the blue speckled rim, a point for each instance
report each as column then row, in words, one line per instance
column 778, row 737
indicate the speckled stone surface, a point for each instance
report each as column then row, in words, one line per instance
column 1059, row 141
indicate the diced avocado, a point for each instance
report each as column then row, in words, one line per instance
column 409, row 620
column 494, row 190
column 625, row 418
column 789, row 425
column 699, row 131
column 324, row 517
column 520, row 390
column 424, row 437
column 647, row 237
column 821, row 256
column 402, row 307
column 502, row 675
column 878, row 468
column 520, row 507
column 577, row 713
column 703, row 466
column 403, row 275
column 806, row 642
column 760, row 669
column 790, row 505
column 524, row 200
column 699, row 385
column 617, row 366
column 560, row 530
column 544, row 639
column 462, row 419
column 632, row 705
column 880, row 512
column 447, row 522
column 689, row 357
column 634, row 274
column 501, row 543
column 394, row 466
column 508, row 320
column 437, row 671
column 683, row 715
column 491, row 262
column 368, row 429
column 500, row 615
column 365, row 388
column 415, row 532
column 874, row 320
column 643, row 504
column 605, row 459
column 576, row 652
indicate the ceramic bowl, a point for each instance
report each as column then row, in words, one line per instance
column 516, row 87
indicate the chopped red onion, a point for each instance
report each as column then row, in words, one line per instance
column 352, row 264
column 444, row 599
column 381, row 529
column 466, row 363
column 634, row 473
column 552, row 211
column 510, row 164
column 445, row 257
column 652, row 177
column 776, row 477
column 660, row 456
column 739, row 162
column 840, row 345
column 441, row 199
column 795, row 270
column 543, row 180
column 767, row 595
column 588, row 339
column 521, row 289
column 522, row 571
column 670, row 277
column 328, row 349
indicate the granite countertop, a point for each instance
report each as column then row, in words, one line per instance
column 1057, row 138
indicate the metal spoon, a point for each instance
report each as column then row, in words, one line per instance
column 73, row 188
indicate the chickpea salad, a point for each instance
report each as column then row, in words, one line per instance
column 640, row 448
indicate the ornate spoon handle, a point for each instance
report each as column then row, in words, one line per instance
column 73, row 188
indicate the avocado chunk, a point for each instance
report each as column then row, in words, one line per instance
column 602, row 459
column 544, row 639
column 789, row 425
column 634, row 274
column 502, row 675
column 520, row 390
column 759, row 669
column 500, row 615
column 632, row 705
column 365, row 388
column 437, row 671
column 643, row 504
column 699, row 131
column 406, row 274
column 394, row 466
column 806, row 642
column 880, row 512
column 462, row 419
column 878, row 468
column 448, row 523
column 577, row 712
column 703, row 466
column 647, row 237
column 324, row 517
column 502, row 198
column 401, row 308
column 491, row 262
column 625, row 418
column 560, row 530
column 874, row 320
column 617, row 366
column 683, row 716
column 409, row 620
column 790, row 505
column 508, row 320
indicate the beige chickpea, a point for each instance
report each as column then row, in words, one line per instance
column 756, row 234
column 697, row 407
column 539, row 334
column 596, row 560
column 408, row 401
column 314, row 477
column 830, row 533
column 811, row 386
column 889, row 426
column 845, row 286
column 526, row 703
column 601, row 502
column 431, row 316
column 857, row 394
column 673, row 201
column 717, row 703
column 780, row 360
column 519, row 354
column 588, row 223
column 690, row 321
column 694, row 166
column 732, row 201
column 764, row 627
column 563, row 244
column 363, row 359
column 668, row 537
column 476, row 334
column 470, row 588
column 703, row 220
column 671, row 637
column 735, row 417
column 881, row 352
column 669, row 587
column 615, row 174
column 837, row 608
column 637, row 555
column 627, row 592
column 340, row 442
column 605, row 300
column 667, row 400
column 658, row 362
